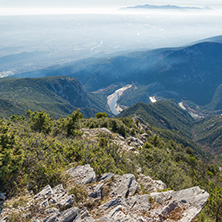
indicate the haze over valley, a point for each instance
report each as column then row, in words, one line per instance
column 34, row 38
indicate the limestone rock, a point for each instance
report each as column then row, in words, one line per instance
column 66, row 202
column 96, row 132
column 151, row 185
column 113, row 203
column 162, row 197
column 4, row 219
column 183, row 205
column 69, row 215
column 55, row 198
column 52, row 217
column 97, row 190
column 26, row 215
column 46, row 191
column 58, row 189
column 106, row 176
column 135, row 142
column 66, row 216
column 44, row 204
column 84, row 216
column 82, row 174
column 119, row 213
column 139, row 203
column 126, row 186
column 2, row 196
column 123, row 202
column 125, row 209
column 52, row 210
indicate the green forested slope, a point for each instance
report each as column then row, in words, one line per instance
column 58, row 96
column 164, row 114
column 208, row 133
column 168, row 120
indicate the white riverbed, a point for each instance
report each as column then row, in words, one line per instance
column 113, row 98
column 152, row 99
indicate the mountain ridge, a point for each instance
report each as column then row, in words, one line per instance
column 163, row 7
column 183, row 70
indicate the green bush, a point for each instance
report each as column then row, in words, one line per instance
column 100, row 115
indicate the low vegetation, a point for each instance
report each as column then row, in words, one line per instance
column 36, row 150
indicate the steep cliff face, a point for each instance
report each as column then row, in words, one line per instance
column 55, row 95
column 71, row 90
column 110, row 198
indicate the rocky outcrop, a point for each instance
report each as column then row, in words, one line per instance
column 82, row 174
column 125, row 186
column 183, row 205
column 44, row 193
column 127, row 144
column 112, row 198
column 150, row 185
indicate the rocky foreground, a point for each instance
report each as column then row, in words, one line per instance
column 107, row 198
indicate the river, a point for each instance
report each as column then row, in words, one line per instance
column 113, row 98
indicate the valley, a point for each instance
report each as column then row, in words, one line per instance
column 158, row 114
column 60, row 96
column 183, row 73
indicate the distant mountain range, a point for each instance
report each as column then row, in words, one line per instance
column 191, row 73
column 165, row 7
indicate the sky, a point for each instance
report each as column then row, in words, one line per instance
column 18, row 3
column 94, row 5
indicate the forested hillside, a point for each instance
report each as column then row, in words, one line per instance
column 168, row 120
column 58, row 96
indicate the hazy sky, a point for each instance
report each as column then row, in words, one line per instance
column 103, row 3
column 48, row 7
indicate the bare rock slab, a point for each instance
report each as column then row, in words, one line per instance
column 82, row 174
column 184, row 204
column 126, row 186
column 44, row 193
column 151, row 185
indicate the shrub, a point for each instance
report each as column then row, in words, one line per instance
column 100, row 115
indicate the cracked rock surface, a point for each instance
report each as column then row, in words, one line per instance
column 111, row 198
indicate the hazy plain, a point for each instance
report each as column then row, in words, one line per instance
column 35, row 39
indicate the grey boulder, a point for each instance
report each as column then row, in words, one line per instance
column 82, row 174
column 126, row 186
column 44, row 193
